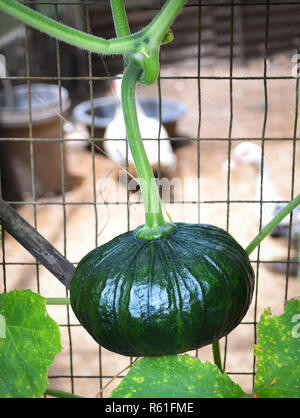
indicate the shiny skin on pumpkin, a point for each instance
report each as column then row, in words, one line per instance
column 166, row 296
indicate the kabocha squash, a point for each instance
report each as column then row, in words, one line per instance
column 142, row 297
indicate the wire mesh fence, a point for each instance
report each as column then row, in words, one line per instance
column 235, row 66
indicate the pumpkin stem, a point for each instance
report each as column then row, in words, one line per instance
column 156, row 227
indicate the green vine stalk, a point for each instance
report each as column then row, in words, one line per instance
column 58, row 301
column 141, row 47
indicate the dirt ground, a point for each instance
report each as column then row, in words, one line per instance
column 85, row 225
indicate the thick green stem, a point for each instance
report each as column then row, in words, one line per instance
column 155, row 226
column 271, row 225
column 61, row 394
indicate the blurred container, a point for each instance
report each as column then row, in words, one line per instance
column 104, row 109
column 15, row 155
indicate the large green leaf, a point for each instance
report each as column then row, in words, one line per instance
column 29, row 341
column 278, row 354
column 176, row 377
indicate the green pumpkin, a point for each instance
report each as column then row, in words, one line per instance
column 166, row 296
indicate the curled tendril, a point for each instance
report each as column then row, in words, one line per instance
column 148, row 65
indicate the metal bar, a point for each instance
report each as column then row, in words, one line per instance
column 182, row 77
column 4, row 263
column 92, row 142
column 199, row 104
column 262, row 176
column 28, row 263
column 229, row 142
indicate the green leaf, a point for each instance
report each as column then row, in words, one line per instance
column 176, row 377
column 278, row 354
column 31, row 341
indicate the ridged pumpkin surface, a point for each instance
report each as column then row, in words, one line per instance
column 167, row 296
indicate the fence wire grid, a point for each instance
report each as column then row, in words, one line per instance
column 217, row 42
